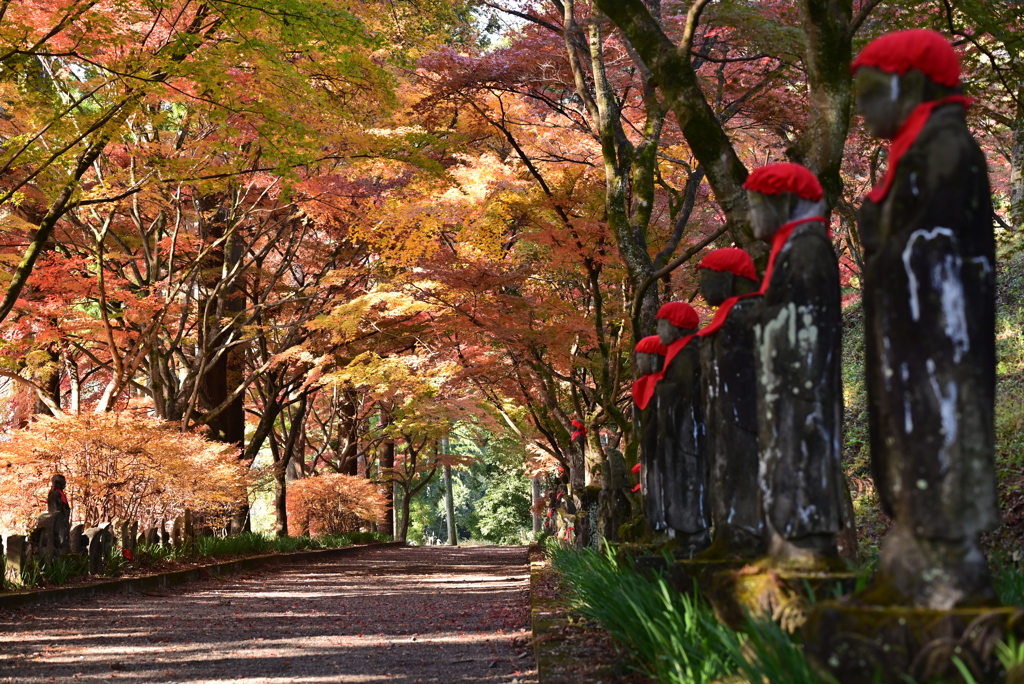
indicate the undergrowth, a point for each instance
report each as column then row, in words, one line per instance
column 674, row 637
column 151, row 556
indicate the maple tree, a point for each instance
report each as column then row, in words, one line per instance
column 119, row 466
column 328, row 236
column 333, row 503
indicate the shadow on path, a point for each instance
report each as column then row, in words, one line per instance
column 399, row 614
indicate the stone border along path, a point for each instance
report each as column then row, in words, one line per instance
column 378, row 614
column 163, row 580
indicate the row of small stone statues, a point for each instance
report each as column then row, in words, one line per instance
column 53, row 536
column 740, row 422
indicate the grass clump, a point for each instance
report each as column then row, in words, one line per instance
column 674, row 637
column 66, row 567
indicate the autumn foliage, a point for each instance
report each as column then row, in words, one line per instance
column 119, row 467
column 333, row 503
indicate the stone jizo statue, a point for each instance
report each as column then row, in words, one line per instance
column 57, row 502
column 929, row 312
column 728, row 280
column 797, row 356
column 681, row 430
column 650, row 358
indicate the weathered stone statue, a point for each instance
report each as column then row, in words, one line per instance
column 929, row 311
column 728, row 280
column 681, row 430
column 57, row 502
column 797, row 356
column 650, row 357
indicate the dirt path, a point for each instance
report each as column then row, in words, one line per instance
column 427, row 614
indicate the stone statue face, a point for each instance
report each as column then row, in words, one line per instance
column 648, row 363
column 716, row 286
column 886, row 100
column 669, row 333
column 768, row 213
column 58, row 481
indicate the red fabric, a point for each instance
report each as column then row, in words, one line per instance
column 775, row 179
column 905, row 138
column 730, row 260
column 636, row 468
column 63, row 497
column 679, row 314
column 642, row 398
column 581, row 430
column 637, row 487
column 921, row 49
column 651, row 345
column 778, row 241
column 643, row 389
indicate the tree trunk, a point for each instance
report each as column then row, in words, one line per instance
column 533, row 501
column 281, row 462
column 449, row 507
column 223, row 375
column 829, row 50
column 387, row 464
column 403, row 529
column 49, row 381
column 1017, row 165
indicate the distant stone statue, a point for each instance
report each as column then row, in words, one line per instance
column 681, row 430
column 797, row 355
column 57, row 502
column 650, row 357
column 929, row 312
column 728, row 280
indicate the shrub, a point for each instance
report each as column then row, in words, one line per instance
column 119, row 466
column 332, row 504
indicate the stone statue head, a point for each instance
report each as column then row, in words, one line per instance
column 886, row 100
column 768, row 213
column 675, row 321
column 646, row 364
column 899, row 71
column 649, row 354
column 58, row 482
column 726, row 273
column 781, row 193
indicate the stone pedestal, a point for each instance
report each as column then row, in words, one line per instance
column 886, row 644
column 700, row 573
column 165, row 533
column 17, row 555
column 43, row 538
column 177, row 532
column 784, row 596
column 78, row 542
column 101, row 542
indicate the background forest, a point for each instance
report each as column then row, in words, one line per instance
column 333, row 236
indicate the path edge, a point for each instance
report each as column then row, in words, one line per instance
column 164, row 580
column 543, row 620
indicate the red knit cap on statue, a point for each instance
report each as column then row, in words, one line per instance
column 776, row 179
column 651, row 345
column 730, row 260
column 921, row 49
column 679, row 314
